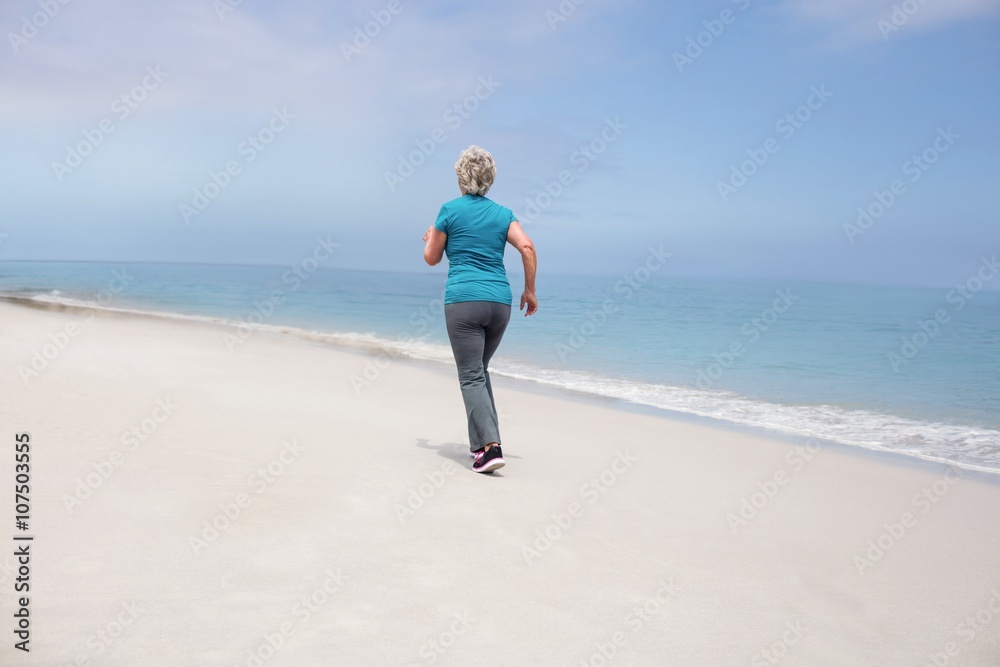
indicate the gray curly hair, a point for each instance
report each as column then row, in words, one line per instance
column 476, row 171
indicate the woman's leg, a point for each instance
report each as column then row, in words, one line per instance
column 474, row 330
column 494, row 330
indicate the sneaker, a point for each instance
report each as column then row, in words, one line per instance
column 489, row 460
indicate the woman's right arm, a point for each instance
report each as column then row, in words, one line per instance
column 517, row 238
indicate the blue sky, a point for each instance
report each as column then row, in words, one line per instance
column 642, row 137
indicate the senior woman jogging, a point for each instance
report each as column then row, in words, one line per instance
column 474, row 231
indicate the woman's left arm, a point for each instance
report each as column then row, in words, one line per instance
column 434, row 242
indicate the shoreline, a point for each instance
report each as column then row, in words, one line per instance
column 584, row 398
column 526, row 384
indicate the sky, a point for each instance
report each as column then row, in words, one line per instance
column 835, row 140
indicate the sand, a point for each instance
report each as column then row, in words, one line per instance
column 193, row 505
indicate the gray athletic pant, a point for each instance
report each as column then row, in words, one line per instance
column 475, row 329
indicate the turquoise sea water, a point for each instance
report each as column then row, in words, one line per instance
column 910, row 370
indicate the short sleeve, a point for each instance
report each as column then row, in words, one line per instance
column 441, row 224
column 510, row 216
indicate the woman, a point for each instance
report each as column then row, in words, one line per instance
column 474, row 231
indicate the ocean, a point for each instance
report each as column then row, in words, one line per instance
column 911, row 370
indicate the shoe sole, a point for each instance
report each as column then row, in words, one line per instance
column 495, row 464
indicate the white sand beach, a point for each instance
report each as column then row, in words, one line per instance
column 192, row 505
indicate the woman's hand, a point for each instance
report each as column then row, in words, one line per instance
column 529, row 299
column 427, row 234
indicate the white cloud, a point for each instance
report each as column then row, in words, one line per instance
column 428, row 55
column 859, row 20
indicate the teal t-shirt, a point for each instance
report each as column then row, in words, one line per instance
column 477, row 235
